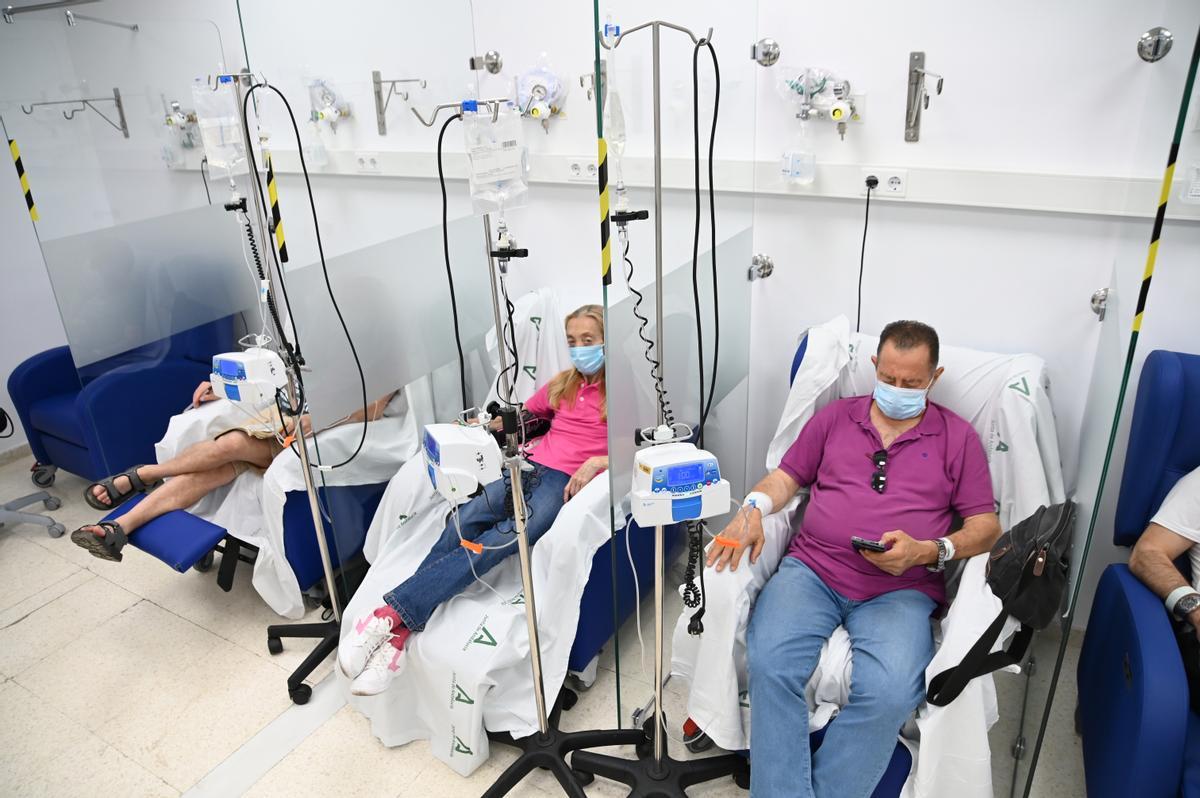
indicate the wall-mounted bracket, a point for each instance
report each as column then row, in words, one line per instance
column 918, row 95
column 765, row 52
column 761, row 267
column 1100, row 303
column 491, row 105
column 491, row 61
column 86, row 103
column 381, row 102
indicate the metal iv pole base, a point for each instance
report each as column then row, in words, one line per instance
column 549, row 751
column 670, row 778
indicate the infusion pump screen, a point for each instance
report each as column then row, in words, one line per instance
column 685, row 474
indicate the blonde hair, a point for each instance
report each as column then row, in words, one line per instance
column 566, row 384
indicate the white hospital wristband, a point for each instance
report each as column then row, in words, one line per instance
column 760, row 500
column 1175, row 595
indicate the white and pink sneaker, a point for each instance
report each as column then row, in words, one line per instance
column 355, row 650
column 381, row 668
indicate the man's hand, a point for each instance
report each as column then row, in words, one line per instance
column 747, row 531
column 203, row 393
column 903, row 553
column 1193, row 618
column 590, row 468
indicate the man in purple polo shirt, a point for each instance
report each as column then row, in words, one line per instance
column 891, row 467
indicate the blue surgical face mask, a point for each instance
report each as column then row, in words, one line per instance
column 588, row 359
column 900, row 403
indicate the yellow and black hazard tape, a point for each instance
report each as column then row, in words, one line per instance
column 1164, row 195
column 29, row 203
column 276, row 219
column 605, row 246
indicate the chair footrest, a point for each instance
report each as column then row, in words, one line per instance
column 178, row 538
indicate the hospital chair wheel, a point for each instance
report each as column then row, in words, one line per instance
column 53, row 503
column 275, row 646
column 567, row 699
column 206, row 564
column 56, row 530
column 301, row 694
column 43, row 476
column 583, row 779
column 645, row 748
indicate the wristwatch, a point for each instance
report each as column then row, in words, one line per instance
column 1185, row 605
column 943, row 555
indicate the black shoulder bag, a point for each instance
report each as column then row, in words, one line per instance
column 1028, row 569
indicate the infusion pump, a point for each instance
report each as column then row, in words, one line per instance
column 675, row 482
column 460, row 458
column 251, row 377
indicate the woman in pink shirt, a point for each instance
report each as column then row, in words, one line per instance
column 565, row 459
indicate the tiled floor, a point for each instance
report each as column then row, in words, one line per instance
column 132, row 680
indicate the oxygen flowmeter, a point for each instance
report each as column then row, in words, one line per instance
column 675, row 482
column 460, row 458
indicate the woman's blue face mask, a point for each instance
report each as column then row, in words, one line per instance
column 588, row 359
column 900, row 403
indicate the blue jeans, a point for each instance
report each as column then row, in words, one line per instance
column 446, row 570
column 891, row 643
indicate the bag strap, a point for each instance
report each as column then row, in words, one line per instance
column 980, row 660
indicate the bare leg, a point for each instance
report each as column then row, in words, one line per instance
column 232, row 447
column 180, row 493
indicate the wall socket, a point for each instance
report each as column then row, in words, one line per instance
column 892, row 182
column 366, row 163
column 581, row 169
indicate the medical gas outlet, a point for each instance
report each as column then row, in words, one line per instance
column 460, row 459
column 676, row 482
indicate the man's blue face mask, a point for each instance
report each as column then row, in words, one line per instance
column 588, row 359
column 900, row 403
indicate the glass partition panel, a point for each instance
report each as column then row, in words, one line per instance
column 633, row 405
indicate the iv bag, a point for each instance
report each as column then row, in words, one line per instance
column 498, row 161
column 219, row 119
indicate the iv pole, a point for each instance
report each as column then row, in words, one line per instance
column 659, row 775
column 326, row 631
column 548, row 747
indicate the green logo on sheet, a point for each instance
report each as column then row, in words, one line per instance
column 517, row 599
column 536, row 321
column 460, row 695
column 1001, row 446
column 531, row 371
column 1021, row 387
column 744, row 699
column 484, row 637
column 462, row 748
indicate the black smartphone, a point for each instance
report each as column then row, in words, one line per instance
column 870, row 545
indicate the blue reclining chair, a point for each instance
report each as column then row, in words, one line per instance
column 1139, row 735
column 106, row 417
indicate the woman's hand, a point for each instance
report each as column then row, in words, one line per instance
column 203, row 393
column 590, row 468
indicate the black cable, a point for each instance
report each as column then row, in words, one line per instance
column 204, row 177
column 462, row 363
column 705, row 404
column 863, row 255
column 321, row 253
column 263, row 276
column 297, row 356
column 664, row 403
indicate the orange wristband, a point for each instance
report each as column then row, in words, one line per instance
column 471, row 545
column 721, row 540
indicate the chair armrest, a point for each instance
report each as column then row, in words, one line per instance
column 126, row 410
column 45, row 374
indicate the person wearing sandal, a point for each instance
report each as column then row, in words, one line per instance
column 187, row 478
